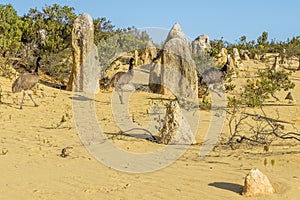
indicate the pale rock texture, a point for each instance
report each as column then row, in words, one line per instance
column 136, row 58
column 275, row 65
column 290, row 97
column 237, row 61
column 177, row 70
column 200, row 44
column 176, row 129
column 256, row 57
column 257, row 183
column 246, row 57
column 283, row 57
column 222, row 57
column 149, row 53
column 245, row 54
column 86, row 68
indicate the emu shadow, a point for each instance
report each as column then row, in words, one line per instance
column 54, row 85
column 218, row 162
column 278, row 104
column 12, row 105
column 147, row 135
column 237, row 188
column 160, row 98
column 83, row 98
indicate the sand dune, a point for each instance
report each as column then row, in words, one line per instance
column 31, row 141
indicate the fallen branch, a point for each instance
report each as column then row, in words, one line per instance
column 257, row 116
column 289, row 135
column 264, row 132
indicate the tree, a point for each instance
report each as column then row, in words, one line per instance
column 262, row 44
column 216, row 46
column 10, row 30
column 242, row 42
column 119, row 42
column 50, row 29
column 262, row 40
column 293, row 47
column 104, row 29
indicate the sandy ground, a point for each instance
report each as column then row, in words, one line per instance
column 31, row 141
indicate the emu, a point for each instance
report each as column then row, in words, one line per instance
column 122, row 78
column 213, row 76
column 26, row 82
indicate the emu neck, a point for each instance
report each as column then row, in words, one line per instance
column 37, row 67
column 130, row 70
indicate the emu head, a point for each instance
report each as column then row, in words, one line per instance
column 131, row 61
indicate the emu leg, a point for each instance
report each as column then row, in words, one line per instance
column 120, row 93
column 35, row 104
column 121, row 96
column 212, row 89
column 24, row 93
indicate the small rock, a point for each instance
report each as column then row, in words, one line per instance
column 65, row 152
column 290, row 97
column 4, row 151
column 257, row 183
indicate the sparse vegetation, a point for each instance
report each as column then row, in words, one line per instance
column 205, row 104
column 272, row 162
column 10, row 30
column 265, row 85
column 113, row 47
column 47, row 33
column 255, row 129
column 81, row 145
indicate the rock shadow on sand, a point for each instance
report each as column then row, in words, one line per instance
column 237, row 188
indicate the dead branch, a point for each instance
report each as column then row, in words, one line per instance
column 257, row 116
column 264, row 132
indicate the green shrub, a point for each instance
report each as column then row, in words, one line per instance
column 10, row 30
column 268, row 82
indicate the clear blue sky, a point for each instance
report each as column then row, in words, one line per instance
column 216, row 18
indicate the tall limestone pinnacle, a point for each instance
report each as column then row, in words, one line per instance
column 175, row 70
column 86, row 67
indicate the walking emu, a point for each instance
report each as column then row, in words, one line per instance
column 213, row 76
column 26, row 82
column 122, row 78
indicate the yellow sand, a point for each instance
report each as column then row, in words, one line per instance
column 31, row 141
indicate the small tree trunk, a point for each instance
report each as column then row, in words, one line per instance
column 273, row 95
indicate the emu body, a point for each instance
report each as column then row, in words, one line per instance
column 214, row 76
column 26, row 82
column 122, row 78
